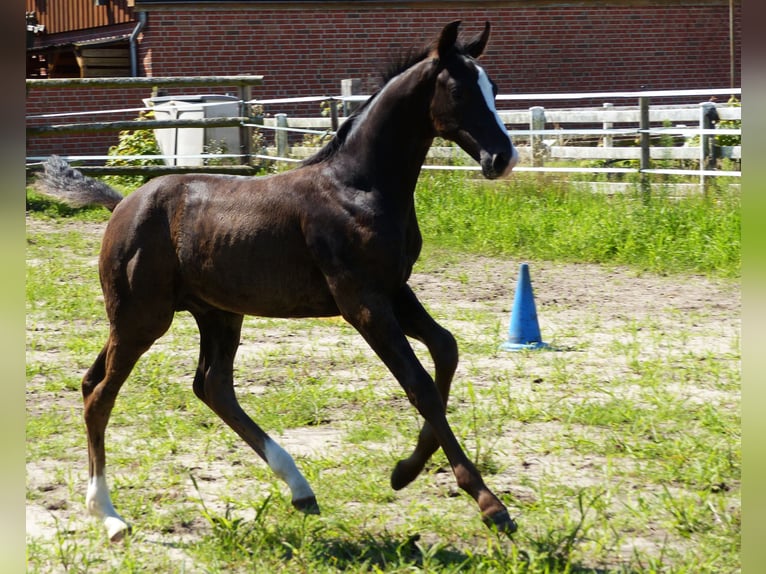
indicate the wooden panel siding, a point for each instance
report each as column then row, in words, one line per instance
column 67, row 15
column 103, row 61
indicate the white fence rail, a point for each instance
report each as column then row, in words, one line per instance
column 541, row 138
column 545, row 137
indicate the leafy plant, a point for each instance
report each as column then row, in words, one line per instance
column 216, row 147
column 730, row 140
column 133, row 142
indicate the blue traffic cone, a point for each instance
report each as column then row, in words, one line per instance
column 524, row 332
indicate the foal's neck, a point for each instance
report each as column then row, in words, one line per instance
column 393, row 134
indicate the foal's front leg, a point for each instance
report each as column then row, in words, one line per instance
column 417, row 323
column 373, row 316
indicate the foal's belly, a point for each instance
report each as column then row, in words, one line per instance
column 279, row 290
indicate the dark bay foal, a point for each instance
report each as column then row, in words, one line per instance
column 338, row 235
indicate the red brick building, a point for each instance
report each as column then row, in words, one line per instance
column 306, row 48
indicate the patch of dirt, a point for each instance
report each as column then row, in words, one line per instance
column 583, row 310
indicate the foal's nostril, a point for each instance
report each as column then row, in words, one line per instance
column 499, row 162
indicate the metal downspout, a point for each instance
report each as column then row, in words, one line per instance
column 134, row 44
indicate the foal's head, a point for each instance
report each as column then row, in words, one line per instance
column 463, row 104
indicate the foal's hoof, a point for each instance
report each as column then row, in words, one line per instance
column 307, row 505
column 501, row 521
column 116, row 529
column 404, row 473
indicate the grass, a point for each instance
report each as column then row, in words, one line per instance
column 541, row 218
column 620, row 452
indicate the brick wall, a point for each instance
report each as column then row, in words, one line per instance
column 535, row 46
column 51, row 101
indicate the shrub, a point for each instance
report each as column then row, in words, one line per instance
column 728, row 140
column 133, row 142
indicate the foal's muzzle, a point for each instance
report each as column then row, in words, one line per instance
column 494, row 165
column 496, row 158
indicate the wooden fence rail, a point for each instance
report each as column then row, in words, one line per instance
column 57, row 129
column 243, row 83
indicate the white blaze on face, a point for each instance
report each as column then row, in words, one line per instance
column 489, row 97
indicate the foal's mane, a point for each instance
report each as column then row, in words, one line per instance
column 404, row 61
column 398, row 64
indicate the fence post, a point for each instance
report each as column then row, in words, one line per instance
column 245, row 133
column 333, row 114
column 643, row 106
column 537, row 122
column 708, row 117
column 280, row 136
column 607, row 141
column 350, row 87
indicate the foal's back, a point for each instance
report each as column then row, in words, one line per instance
column 233, row 243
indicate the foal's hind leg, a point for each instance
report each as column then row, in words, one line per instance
column 214, row 385
column 100, row 386
column 417, row 323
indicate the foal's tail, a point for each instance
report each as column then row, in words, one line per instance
column 63, row 182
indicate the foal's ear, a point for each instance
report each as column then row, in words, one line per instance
column 448, row 38
column 475, row 47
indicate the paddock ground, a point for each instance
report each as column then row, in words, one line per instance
column 601, row 414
